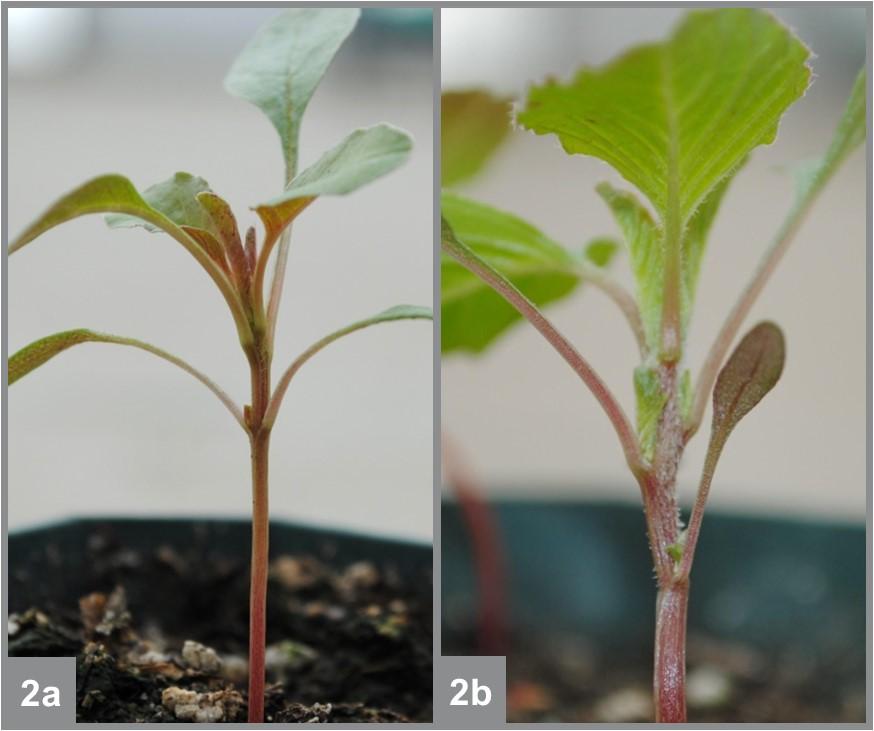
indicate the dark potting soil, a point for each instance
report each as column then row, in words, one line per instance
column 567, row 678
column 161, row 635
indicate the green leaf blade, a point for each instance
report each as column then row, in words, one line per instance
column 364, row 156
column 41, row 351
column 675, row 118
column 473, row 125
column 104, row 194
column 280, row 68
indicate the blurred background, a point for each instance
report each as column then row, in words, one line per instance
column 528, row 424
column 112, row 430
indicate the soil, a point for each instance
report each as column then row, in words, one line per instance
column 160, row 635
column 563, row 678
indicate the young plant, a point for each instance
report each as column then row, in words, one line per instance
column 677, row 120
column 278, row 72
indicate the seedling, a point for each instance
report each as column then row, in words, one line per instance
column 677, row 120
column 278, row 72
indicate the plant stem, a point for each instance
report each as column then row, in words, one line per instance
column 669, row 672
column 258, row 587
column 259, row 362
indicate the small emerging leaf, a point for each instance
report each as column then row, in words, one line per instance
column 473, row 124
column 282, row 65
column 751, row 371
column 364, row 156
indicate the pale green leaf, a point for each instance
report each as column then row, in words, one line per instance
column 364, row 156
column 282, row 65
column 473, row 315
column 473, row 124
column 675, row 118
column 176, row 198
column 40, row 351
column 106, row 194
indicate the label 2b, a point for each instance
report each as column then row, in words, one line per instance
column 470, row 693
column 51, row 696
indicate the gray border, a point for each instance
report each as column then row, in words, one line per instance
column 436, row 6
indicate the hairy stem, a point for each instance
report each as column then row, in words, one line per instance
column 526, row 308
column 669, row 672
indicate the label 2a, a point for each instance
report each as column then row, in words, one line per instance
column 50, row 698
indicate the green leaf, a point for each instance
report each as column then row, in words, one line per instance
column 601, row 250
column 108, row 193
column 751, row 371
column 43, row 350
column 364, row 156
column 176, row 198
column 811, row 177
column 281, row 67
column 473, row 124
column 676, row 118
column 473, row 315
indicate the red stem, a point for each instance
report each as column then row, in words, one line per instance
column 258, row 586
column 260, row 449
column 669, row 673
column 487, row 554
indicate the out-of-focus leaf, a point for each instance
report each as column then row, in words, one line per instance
column 280, row 68
column 473, row 315
column 473, row 124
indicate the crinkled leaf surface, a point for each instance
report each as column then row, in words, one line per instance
column 472, row 314
column 176, row 198
column 364, row 156
column 751, row 371
column 282, row 65
column 473, row 124
column 675, row 118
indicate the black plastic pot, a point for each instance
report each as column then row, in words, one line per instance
column 584, row 569
column 58, row 552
